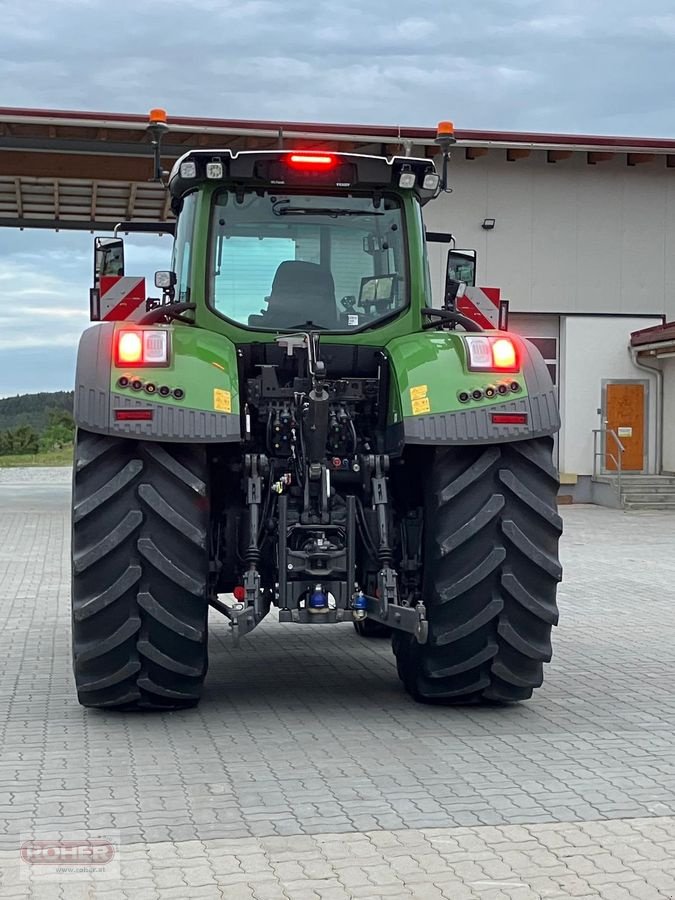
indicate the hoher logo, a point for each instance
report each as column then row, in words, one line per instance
column 87, row 852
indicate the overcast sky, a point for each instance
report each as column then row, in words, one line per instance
column 599, row 66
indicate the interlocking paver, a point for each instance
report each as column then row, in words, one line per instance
column 340, row 757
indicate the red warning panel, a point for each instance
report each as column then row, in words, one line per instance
column 481, row 305
column 122, row 298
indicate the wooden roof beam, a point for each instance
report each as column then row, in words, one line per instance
column 166, row 209
column 554, row 156
column 19, row 197
column 516, row 153
column 82, row 166
column 594, row 157
column 638, row 159
column 475, row 152
column 133, row 189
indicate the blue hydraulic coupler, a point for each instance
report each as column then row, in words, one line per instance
column 360, row 606
column 318, row 601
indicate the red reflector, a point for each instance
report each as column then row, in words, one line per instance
column 239, row 593
column 311, row 160
column 509, row 418
column 133, row 415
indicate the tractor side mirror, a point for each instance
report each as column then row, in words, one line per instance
column 460, row 273
column 108, row 257
column 461, row 266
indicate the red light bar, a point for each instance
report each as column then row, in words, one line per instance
column 133, row 415
column 311, row 160
column 509, row 418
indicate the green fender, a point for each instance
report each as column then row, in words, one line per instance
column 202, row 367
column 430, row 375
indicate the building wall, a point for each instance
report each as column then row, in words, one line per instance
column 569, row 237
column 669, row 415
column 594, row 350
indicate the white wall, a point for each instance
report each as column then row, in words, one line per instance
column 569, row 237
column 592, row 350
column 669, row 415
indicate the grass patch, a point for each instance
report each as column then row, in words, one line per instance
column 63, row 457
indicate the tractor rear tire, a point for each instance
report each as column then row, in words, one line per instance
column 140, row 573
column 369, row 628
column 491, row 571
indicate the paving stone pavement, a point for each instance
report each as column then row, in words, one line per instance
column 306, row 746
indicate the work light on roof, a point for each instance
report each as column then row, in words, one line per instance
column 188, row 169
column 214, row 169
column 431, row 181
column 407, row 178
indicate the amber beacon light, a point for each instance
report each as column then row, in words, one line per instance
column 157, row 117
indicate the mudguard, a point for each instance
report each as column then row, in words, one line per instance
column 430, row 372
column 202, row 368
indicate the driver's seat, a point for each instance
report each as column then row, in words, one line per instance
column 301, row 292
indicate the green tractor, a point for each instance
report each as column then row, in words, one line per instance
column 293, row 425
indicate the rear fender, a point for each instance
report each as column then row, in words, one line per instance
column 430, row 372
column 202, row 365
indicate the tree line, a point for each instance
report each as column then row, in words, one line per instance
column 38, row 423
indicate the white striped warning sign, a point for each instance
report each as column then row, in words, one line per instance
column 122, row 298
column 481, row 304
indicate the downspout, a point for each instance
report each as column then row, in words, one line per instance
column 658, row 371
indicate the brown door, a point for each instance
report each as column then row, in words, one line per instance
column 625, row 415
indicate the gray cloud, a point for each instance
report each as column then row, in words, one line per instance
column 599, row 66
column 505, row 64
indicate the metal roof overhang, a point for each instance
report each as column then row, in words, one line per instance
column 657, row 342
column 89, row 170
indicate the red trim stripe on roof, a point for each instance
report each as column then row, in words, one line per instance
column 654, row 334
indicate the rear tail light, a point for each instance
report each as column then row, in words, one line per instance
column 486, row 353
column 141, row 347
column 504, row 353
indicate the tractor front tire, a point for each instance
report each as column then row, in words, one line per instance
column 140, row 572
column 491, row 571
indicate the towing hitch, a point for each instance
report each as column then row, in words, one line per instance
column 411, row 619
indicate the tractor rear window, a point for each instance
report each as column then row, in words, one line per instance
column 286, row 261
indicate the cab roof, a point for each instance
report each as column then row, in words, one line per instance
column 304, row 169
